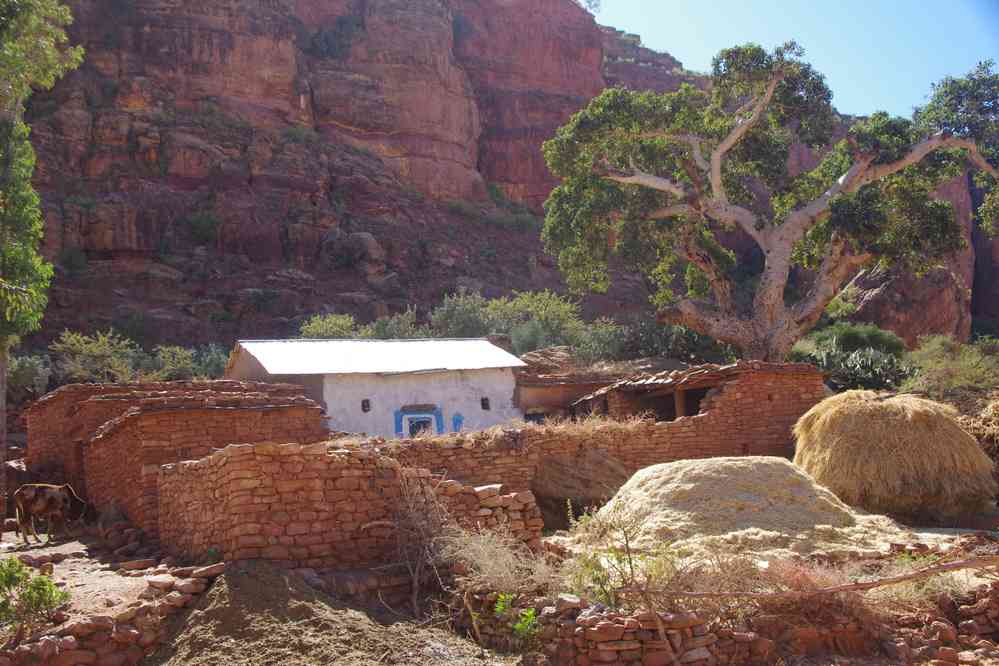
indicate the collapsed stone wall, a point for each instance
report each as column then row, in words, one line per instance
column 751, row 415
column 122, row 460
column 314, row 506
column 60, row 422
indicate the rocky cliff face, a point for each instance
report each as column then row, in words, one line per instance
column 223, row 168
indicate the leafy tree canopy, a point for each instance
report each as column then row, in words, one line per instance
column 654, row 179
column 34, row 51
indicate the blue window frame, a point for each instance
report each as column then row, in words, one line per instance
column 413, row 421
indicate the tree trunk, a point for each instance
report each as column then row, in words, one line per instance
column 4, row 352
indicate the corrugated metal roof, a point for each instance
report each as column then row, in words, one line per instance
column 332, row 357
column 697, row 376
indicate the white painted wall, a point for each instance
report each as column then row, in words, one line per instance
column 454, row 392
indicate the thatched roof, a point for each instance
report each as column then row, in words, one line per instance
column 896, row 454
column 559, row 365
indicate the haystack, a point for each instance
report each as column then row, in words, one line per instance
column 745, row 504
column 901, row 455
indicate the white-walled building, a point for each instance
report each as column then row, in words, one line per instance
column 390, row 388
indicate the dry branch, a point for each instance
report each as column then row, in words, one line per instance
column 925, row 572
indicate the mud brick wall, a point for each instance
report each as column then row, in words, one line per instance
column 61, row 421
column 752, row 414
column 122, row 461
column 313, row 506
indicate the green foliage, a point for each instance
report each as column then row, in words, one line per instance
column 335, row 41
column 203, row 227
column 947, row 369
column 504, row 602
column 461, row 315
column 398, row 326
column 111, row 357
column 27, row 377
column 842, row 305
column 73, row 259
column 844, row 336
column 643, row 337
column 527, row 627
column 300, row 134
column 21, row 266
column 33, row 48
column 329, row 327
column 859, row 369
column 593, row 219
column 103, row 357
column 26, row 601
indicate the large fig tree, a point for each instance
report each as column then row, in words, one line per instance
column 658, row 180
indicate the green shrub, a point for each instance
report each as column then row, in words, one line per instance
column 860, row 369
column 465, row 209
column 300, row 134
column 844, row 336
column 26, row 602
column 842, row 305
column 461, row 315
column 946, row 369
column 171, row 363
column 27, row 378
column 203, row 227
column 329, row 326
column 397, row 326
column 527, row 627
column 103, row 357
column 520, row 222
column 210, row 361
column 504, row 602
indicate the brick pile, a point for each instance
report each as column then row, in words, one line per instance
column 311, row 506
column 752, row 414
column 60, row 422
column 575, row 633
column 122, row 460
column 126, row 637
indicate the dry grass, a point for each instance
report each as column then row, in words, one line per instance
column 985, row 428
column 900, row 455
column 494, row 560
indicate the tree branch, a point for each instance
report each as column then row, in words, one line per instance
column 740, row 217
column 938, row 141
column 837, row 267
column 932, row 570
column 639, row 177
column 672, row 211
column 739, row 131
column 707, row 320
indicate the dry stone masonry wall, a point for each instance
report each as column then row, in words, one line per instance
column 312, row 506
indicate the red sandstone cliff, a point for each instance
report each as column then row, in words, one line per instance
column 223, row 168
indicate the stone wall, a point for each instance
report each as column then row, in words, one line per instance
column 60, row 422
column 751, row 415
column 122, row 460
column 312, row 506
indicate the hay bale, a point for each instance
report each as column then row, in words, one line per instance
column 901, row 455
column 757, row 504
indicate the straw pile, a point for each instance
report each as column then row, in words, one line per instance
column 901, row 455
column 746, row 504
column 985, row 428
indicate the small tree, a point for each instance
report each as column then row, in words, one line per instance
column 655, row 178
column 329, row 327
column 33, row 53
column 26, row 601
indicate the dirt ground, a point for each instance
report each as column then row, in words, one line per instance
column 259, row 615
column 94, row 587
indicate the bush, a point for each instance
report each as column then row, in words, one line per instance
column 861, row 369
column 172, row 363
column 329, row 326
column 397, row 326
column 26, row 602
column 210, row 361
column 465, row 209
column 300, row 134
column 203, row 227
column 848, row 337
column 102, row 357
column 335, row 41
column 461, row 315
column 27, row 378
column 947, row 370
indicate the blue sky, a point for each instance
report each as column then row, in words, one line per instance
column 876, row 54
